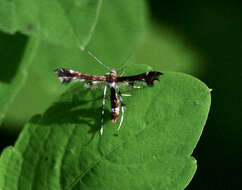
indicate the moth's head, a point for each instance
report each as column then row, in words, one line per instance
column 112, row 73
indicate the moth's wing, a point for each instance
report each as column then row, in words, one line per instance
column 68, row 75
column 148, row 78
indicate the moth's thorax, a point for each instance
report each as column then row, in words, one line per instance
column 112, row 76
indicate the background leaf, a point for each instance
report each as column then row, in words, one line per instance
column 68, row 23
column 62, row 149
column 118, row 31
column 14, row 68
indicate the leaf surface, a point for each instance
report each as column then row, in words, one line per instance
column 17, row 53
column 62, row 149
column 67, row 23
column 119, row 29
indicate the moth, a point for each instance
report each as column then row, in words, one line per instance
column 112, row 81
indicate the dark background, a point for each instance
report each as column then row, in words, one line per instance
column 215, row 29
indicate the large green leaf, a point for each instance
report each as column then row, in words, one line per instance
column 69, row 23
column 62, row 149
column 121, row 25
column 16, row 54
column 118, row 29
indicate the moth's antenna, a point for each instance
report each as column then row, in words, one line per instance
column 100, row 62
column 127, row 58
column 125, row 61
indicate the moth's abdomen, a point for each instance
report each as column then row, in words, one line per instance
column 114, row 105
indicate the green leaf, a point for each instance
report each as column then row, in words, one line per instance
column 16, row 54
column 120, row 27
column 118, row 30
column 63, row 149
column 68, row 23
column 10, row 155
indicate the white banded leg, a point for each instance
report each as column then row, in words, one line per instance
column 104, row 98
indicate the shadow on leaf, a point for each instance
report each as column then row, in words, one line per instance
column 11, row 51
column 77, row 106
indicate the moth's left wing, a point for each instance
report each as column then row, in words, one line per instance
column 68, row 75
column 148, row 78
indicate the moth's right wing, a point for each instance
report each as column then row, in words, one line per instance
column 148, row 78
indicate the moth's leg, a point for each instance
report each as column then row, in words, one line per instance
column 93, row 84
column 122, row 109
column 89, row 84
column 126, row 95
column 132, row 85
column 104, row 98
